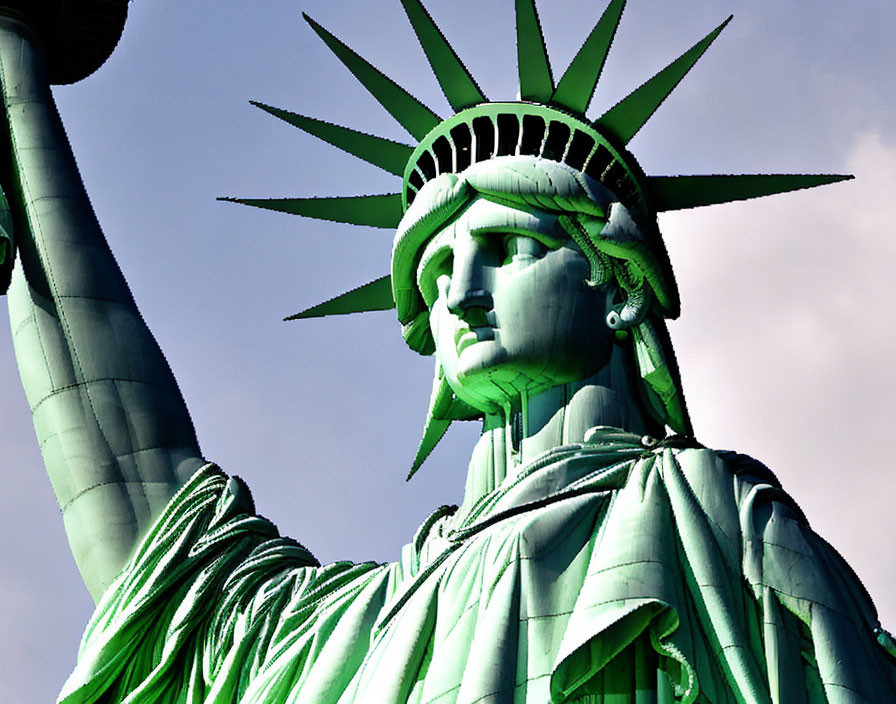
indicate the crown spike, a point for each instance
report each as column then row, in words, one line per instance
column 433, row 432
column 624, row 119
column 410, row 113
column 438, row 419
column 577, row 86
column 376, row 295
column 536, row 79
column 373, row 211
column 679, row 192
column 384, row 153
column 457, row 84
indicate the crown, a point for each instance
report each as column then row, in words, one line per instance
column 548, row 122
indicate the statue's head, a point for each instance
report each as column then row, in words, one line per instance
column 527, row 249
column 523, row 273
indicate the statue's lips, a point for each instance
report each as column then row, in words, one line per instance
column 466, row 336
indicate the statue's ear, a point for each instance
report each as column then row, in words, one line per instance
column 632, row 311
column 624, row 251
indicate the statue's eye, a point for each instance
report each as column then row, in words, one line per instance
column 522, row 249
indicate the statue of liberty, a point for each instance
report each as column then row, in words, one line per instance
column 600, row 552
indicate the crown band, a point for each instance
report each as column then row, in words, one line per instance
column 491, row 130
column 549, row 130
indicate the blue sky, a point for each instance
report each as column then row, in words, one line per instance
column 785, row 341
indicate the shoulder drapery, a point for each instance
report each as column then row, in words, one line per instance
column 653, row 572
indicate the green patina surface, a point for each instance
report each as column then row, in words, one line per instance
column 587, row 563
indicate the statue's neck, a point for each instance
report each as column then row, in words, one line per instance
column 559, row 416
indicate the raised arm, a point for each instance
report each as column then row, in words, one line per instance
column 115, row 434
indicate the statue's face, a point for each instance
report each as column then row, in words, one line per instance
column 510, row 309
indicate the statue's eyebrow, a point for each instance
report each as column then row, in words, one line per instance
column 519, row 222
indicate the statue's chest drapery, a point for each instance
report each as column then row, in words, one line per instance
column 480, row 606
column 486, row 616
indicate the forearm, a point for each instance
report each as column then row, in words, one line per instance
column 115, row 434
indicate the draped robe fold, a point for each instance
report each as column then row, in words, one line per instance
column 615, row 570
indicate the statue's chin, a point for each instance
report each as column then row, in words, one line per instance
column 490, row 379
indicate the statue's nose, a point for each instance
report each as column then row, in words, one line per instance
column 469, row 286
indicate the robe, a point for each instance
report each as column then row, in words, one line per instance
column 618, row 570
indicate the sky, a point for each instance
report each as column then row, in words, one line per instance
column 785, row 343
